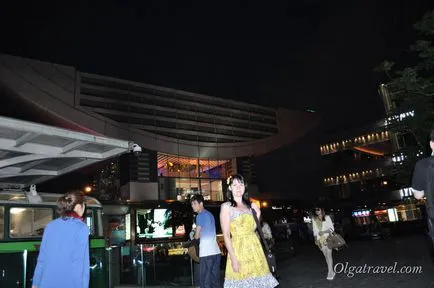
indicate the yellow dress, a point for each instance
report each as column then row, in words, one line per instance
column 254, row 271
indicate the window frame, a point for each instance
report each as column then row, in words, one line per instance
column 3, row 233
column 8, row 218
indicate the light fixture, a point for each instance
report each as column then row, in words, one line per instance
column 17, row 210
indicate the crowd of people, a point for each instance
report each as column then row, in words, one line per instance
column 246, row 264
column 63, row 259
column 65, row 243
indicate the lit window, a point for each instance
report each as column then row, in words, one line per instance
column 29, row 222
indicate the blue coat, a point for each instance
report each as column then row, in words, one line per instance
column 63, row 260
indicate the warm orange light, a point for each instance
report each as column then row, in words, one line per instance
column 369, row 151
column 257, row 202
column 87, row 189
column 264, row 204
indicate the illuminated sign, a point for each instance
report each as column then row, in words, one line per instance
column 363, row 213
column 177, row 251
column 393, row 216
column 128, row 227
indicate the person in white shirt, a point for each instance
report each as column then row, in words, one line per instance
column 322, row 226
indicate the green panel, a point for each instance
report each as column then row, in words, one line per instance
column 98, row 268
column 97, row 243
column 10, row 247
column 11, row 262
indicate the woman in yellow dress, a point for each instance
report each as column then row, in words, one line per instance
column 246, row 265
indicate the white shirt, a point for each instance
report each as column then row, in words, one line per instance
column 326, row 226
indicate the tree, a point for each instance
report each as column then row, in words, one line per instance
column 412, row 91
column 413, row 86
column 107, row 181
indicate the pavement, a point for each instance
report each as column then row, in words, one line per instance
column 307, row 268
column 410, row 253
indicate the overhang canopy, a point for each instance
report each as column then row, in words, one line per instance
column 31, row 153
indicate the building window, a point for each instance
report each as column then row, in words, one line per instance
column 189, row 167
column 29, row 222
column 184, row 176
column 205, row 188
column 217, row 190
column 90, row 222
column 204, row 168
column 2, row 222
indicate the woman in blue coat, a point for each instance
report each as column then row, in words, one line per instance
column 63, row 259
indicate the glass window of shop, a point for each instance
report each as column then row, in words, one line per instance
column 180, row 177
column 408, row 212
column 116, row 229
column 183, row 188
column 382, row 216
column 188, row 167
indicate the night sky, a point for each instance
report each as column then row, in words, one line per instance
column 296, row 54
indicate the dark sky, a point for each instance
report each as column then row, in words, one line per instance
column 297, row 54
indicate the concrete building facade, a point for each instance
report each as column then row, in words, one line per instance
column 190, row 141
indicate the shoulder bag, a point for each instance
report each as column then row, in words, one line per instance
column 271, row 258
column 335, row 241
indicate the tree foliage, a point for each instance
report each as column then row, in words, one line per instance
column 107, row 181
column 413, row 86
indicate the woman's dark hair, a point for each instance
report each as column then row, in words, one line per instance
column 67, row 203
column 323, row 214
column 245, row 198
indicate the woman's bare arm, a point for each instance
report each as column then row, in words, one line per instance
column 225, row 218
column 257, row 210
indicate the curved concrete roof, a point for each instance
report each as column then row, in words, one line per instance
column 55, row 89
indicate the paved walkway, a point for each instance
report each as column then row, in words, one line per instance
column 308, row 269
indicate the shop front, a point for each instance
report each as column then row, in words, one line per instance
column 409, row 212
column 361, row 217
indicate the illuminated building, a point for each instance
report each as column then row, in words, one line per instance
column 365, row 167
column 191, row 142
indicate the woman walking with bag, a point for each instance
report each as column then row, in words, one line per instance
column 322, row 227
column 246, row 263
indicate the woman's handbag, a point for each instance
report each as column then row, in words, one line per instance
column 335, row 241
column 271, row 259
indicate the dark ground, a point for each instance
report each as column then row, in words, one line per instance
column 308, row 269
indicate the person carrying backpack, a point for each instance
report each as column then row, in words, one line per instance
column 422, row 184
